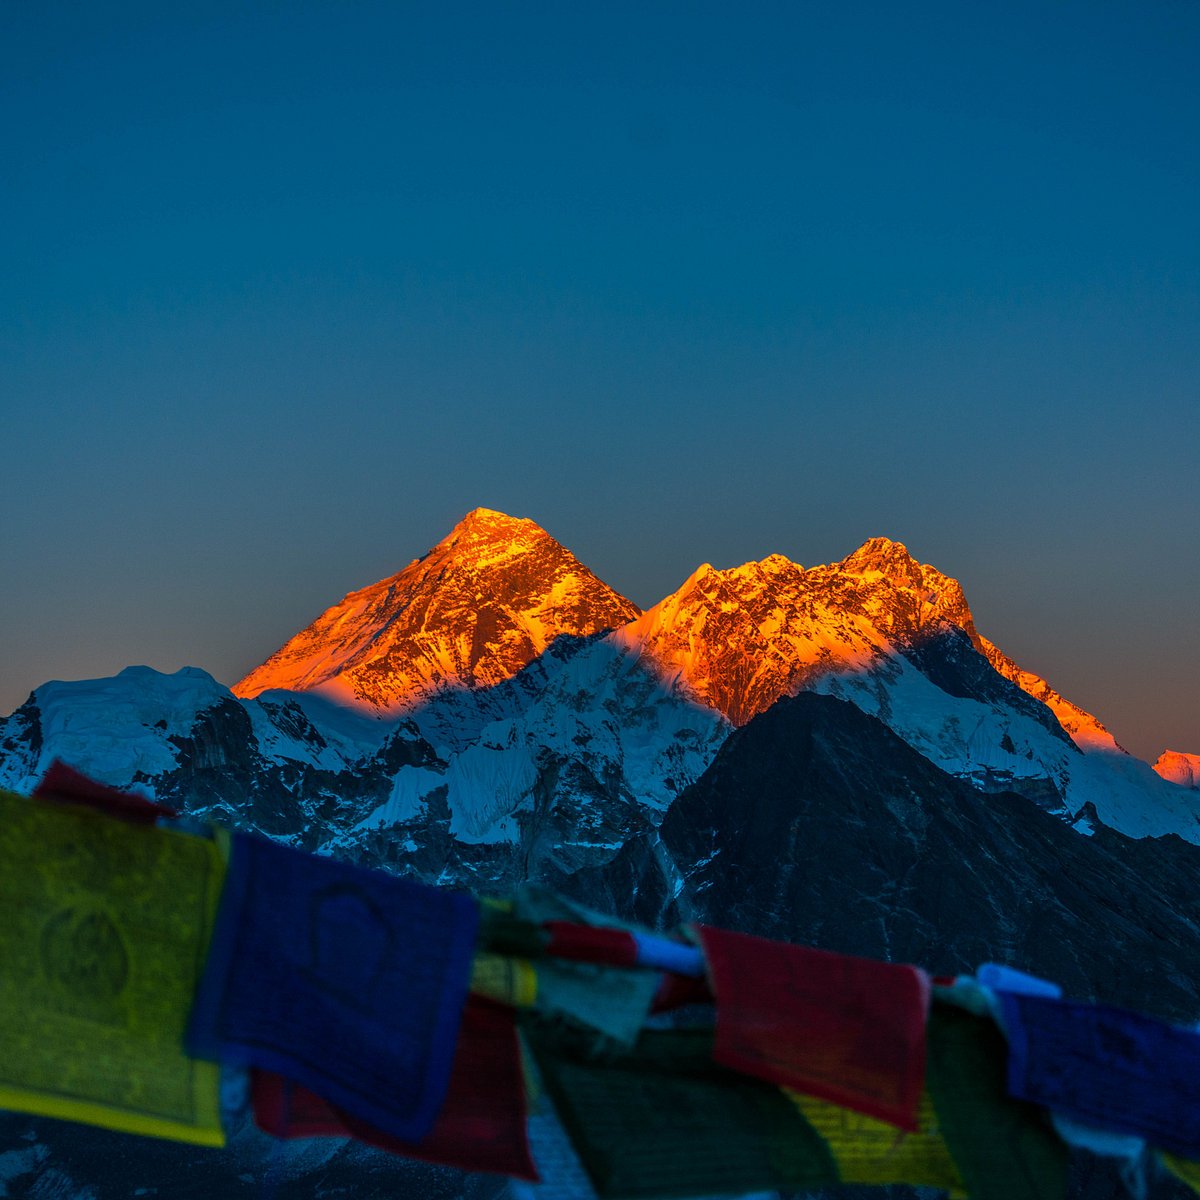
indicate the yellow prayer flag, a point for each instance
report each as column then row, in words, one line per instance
column 511, row 981
column 104, row 928
column 874, row 1152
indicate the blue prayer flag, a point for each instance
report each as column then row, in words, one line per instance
column 350, row 982
column 1107, row 1067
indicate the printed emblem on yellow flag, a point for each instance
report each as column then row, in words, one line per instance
column 871, row 1151
column 104, row 927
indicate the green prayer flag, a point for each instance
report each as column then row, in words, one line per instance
column 614, row 1001
column 1005, row 1149
column 663, row 1120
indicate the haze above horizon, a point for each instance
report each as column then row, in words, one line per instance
column 288, row 292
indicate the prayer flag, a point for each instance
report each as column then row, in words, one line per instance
column 666, row 954
column 1107, row 1067
column 1001, row 978
column 511, row 981
column 871, row 1151
column 678, row 991
column 664, row 1120
column 481, row 1126
column 1184, row 1169
column 350, row 982
column 613, row 1001
column 104, row 927
column 1004, row 1148
column 591, row 943
column 66, row 785
column 849, row 1030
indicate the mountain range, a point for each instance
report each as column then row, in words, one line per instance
column 832, row 754
column 495, row 702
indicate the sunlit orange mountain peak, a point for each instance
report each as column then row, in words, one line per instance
column 1180, row 768
column 486, row 600
column 739, row 639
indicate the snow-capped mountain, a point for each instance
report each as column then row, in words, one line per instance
column 487, row 600
column 471, row 713
column 897, row 638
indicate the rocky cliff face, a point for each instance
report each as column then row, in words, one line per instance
column 816, row 823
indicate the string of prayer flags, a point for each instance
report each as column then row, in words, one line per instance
column 1004, row 1148
column 849, row 1030
column 874, row 1152
column 64, row 784
column 1107, row 1067
column 614, row 1001
column 480, row 1126
column 350, row 982
column 662, row 1119
column 372, row 1007
column 103, row 933
column 621, row 948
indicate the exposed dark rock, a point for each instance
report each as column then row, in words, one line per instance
column 815, row 823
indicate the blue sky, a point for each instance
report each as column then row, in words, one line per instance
column 285, row 290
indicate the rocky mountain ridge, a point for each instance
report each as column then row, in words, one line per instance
column 495, row 702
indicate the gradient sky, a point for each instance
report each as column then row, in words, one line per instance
column 286, row 289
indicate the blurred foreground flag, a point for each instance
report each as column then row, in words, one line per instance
column 347, row 981
column 662, row 1119
column 848, row 1030
column 874, row 1152
column 1117, row 1070
column 103, row 931
column 481, row 1126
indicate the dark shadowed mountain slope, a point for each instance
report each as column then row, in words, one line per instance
column 815, row 823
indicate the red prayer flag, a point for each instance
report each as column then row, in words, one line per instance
column 675, row 991
column 848, row 1030
column 481, row 1125
column 65, row 784
column 591, row 943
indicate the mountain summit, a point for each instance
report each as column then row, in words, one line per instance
column 484, row 602
column 739, row 639
column 742, row 638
